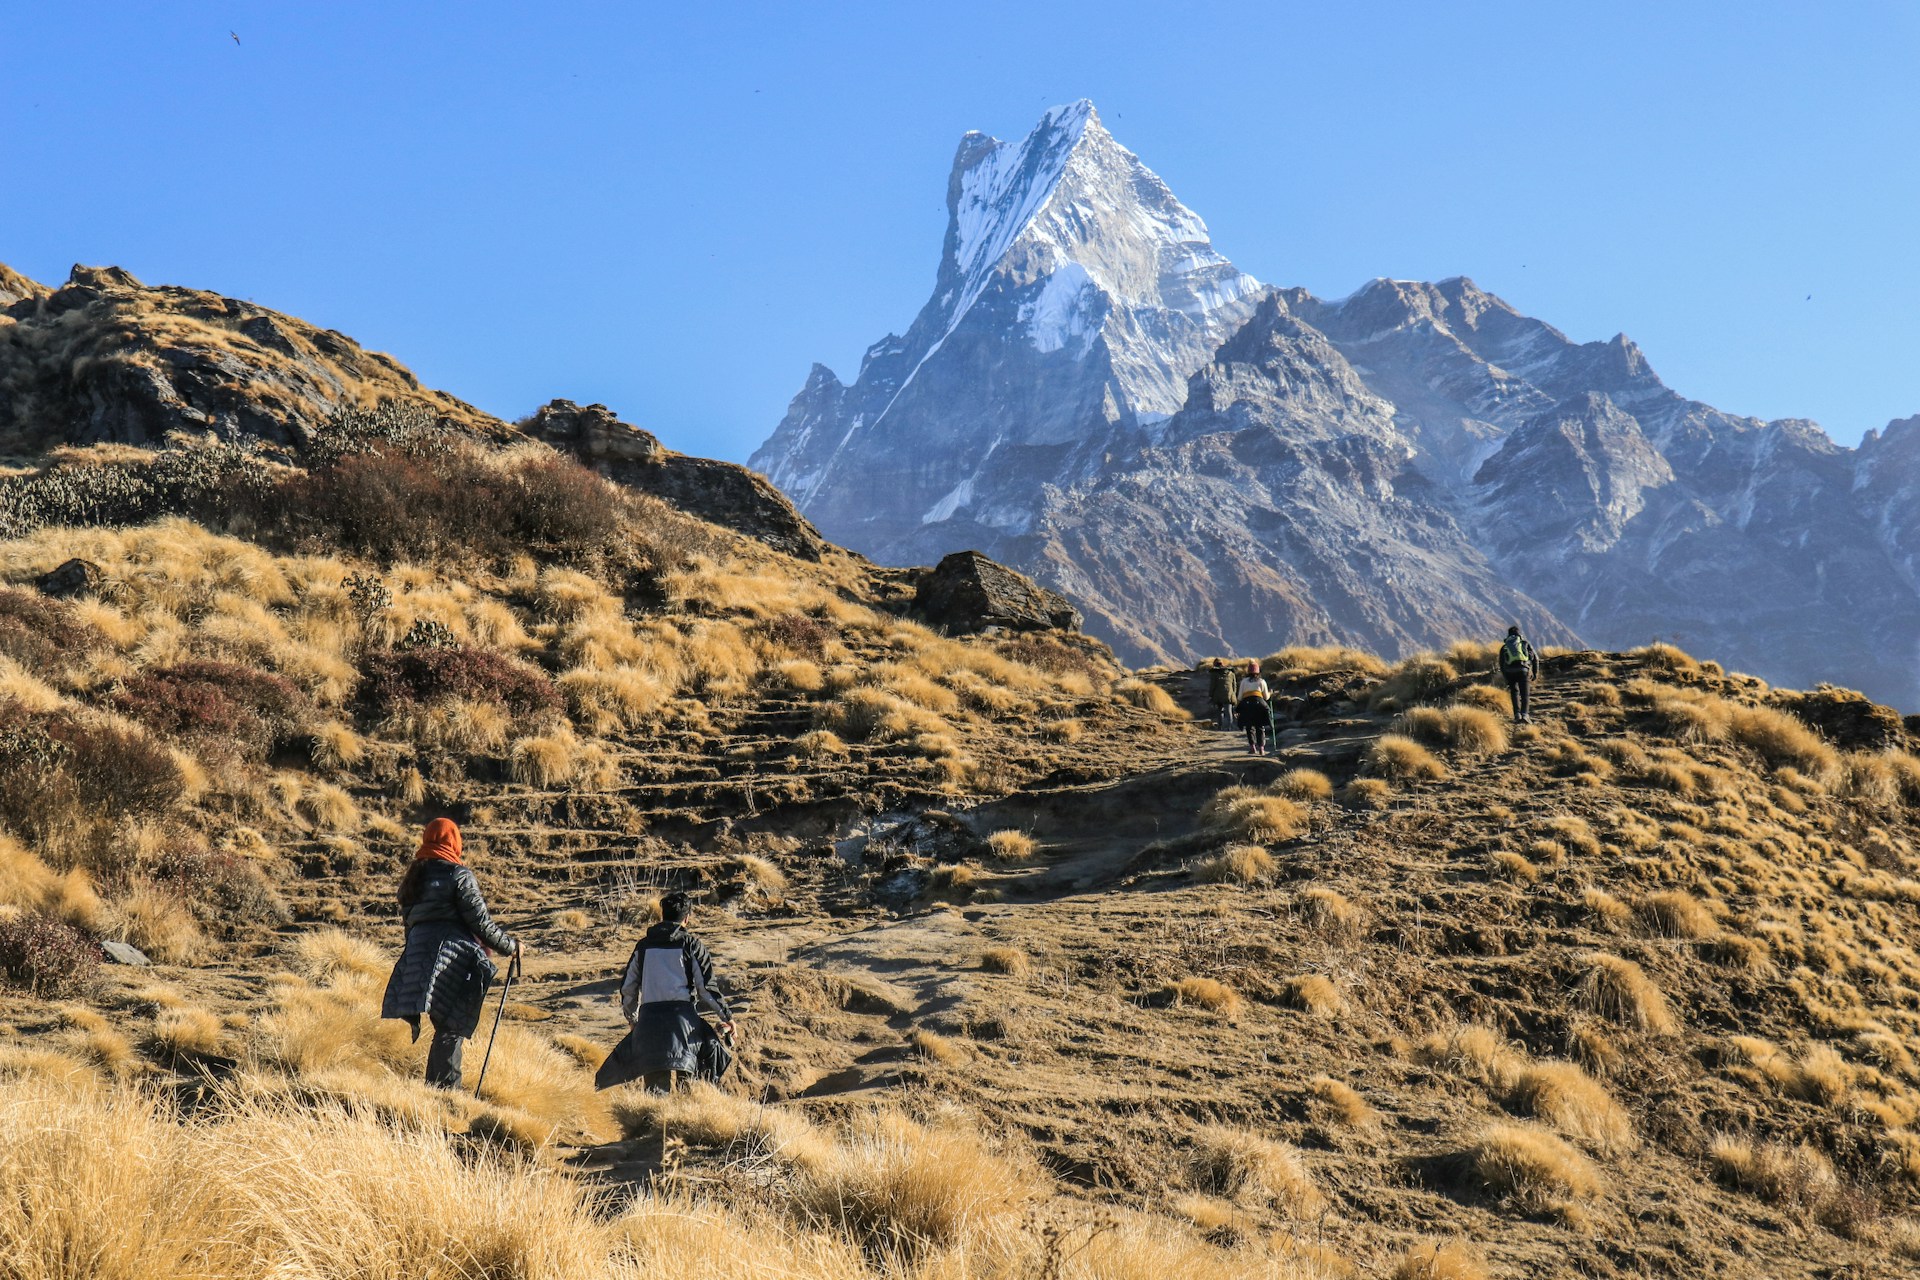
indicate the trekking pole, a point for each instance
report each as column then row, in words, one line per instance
column 513, row 971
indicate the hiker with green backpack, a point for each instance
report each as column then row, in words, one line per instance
column 1519, row 667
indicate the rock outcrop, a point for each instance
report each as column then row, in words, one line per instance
column 967, row 593
column 722, row 492
column 1406, row 466
column 107, row 359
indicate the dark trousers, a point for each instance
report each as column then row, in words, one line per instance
column 659, row 1081
column 443, row 1057
column 1518, row 685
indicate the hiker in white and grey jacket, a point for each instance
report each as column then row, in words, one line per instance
column 668, row 980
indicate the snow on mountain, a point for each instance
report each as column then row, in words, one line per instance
column 1095, row 394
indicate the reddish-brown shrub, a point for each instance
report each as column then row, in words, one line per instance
column 34, row 630
column 250, row 710
column 395, row 678
column 1044, row 653
column 800, row 635
column 220, row 884
column 387, row 508
column 391, row 506
column 562, row 508
column 56, row 768
column 48, row 957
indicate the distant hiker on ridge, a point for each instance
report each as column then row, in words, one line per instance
column 1256, row 713
column 444, row 970
column 1222, row 686
column 1519, row 667
column 668, row 978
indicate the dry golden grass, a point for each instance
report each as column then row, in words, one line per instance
column 335, row 958
column 1797, row 1179
column 1008, row 960
column 1365, row 794
column 1304, row 785
column 766, row 880
column 546, row 759
column 1674, row 913
column 328, row 808
column 1603, row 909
column 572, row 920
column 1570, row 1100
column 1664, row 657
column 1575, row 835
column 1439, row 1260
column 1237, row 864
column 542, row 1089
column 1620, row 991
column 29, row 884
column 159, row 923
column 1312, row 993
column 1236, row 1162
column 1474, row 731
column 188, row 1030
column 1336, row 1102
column 1207, row 993
column 1149, row 697
column 1505, row 864
column 1012, row 846
column 955, row 880
column 1330, row 914
column 265, row 1188
column 1252, row 815
column 1218, row 1219
column 1401, row 759
column 337, row 746
column 1070, row 730
column 1304, row 660
column 935, row 1047
column 820, row 745
column 1531, row 1165
column 1421, row 679
column 800, row 675
column 1486, row 697
column 906, row 1186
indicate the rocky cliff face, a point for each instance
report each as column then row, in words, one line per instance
column 1095, row 395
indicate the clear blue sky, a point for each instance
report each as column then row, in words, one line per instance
column 675, row 209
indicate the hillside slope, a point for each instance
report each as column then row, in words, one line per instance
column 1041, row 975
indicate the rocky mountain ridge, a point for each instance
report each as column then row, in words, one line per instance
column 1396, row 469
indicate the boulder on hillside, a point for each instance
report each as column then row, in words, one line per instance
column 73, row 580
column 593, row 433
column 723, row 493
column 967, row 592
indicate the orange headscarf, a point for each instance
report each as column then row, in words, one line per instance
column 440, row 842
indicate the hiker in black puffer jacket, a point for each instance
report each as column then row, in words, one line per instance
column 667, row 981
column 444, row 971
